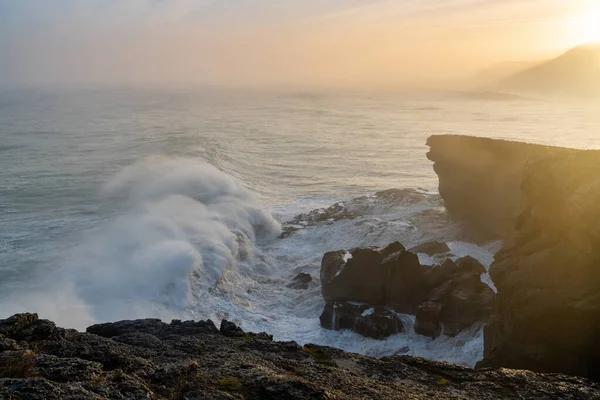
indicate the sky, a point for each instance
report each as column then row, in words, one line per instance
column 275, row 42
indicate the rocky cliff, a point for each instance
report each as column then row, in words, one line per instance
column 545, row 203
column 149, row 359
column 547, row 314
column 480, row 179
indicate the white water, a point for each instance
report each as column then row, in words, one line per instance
column 169, row 206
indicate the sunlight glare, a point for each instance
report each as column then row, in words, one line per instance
column 587, row 26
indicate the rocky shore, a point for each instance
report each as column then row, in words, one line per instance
column 150, row 359
column 543, row 202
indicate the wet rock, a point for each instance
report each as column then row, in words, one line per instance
column 404, row 283
column 380, row 202
column 189, row 360
column 373, row 322
column 431, row 248
column 353, row 276
column 393, row 277
column 230, row 329
column 462, row 299
column 300, row 281
column 428, row 321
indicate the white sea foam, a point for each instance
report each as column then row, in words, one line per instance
column 186, row 226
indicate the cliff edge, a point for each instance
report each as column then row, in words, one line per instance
column 545, row 203
column 480, row 179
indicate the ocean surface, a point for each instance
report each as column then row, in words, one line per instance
column 134, row 203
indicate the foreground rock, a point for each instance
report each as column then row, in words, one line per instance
column 480, row 179
column 373, row 322
column 149, row 359
column 393, row 277
column 548, row 274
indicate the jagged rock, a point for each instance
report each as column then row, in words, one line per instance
column 353, row 276
column 300, row 281
column 405, row 285
column 151, row 326
column 197, row 363
column 431, row 248
column 29, row 327
column 428, row 321
column 547, row 314
column 376, row 323
column 393, row 277
column 459, row 301
column 351, row 209
column 230, row 329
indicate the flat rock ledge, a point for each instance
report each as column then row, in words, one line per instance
column 150, row 359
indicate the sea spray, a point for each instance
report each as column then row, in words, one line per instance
column 184, row 227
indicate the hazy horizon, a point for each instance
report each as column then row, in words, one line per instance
column 377, row 43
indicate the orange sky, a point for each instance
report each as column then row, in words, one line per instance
column 262, row 42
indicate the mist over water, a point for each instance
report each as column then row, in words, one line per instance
column 139, row 203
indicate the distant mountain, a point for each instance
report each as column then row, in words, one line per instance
column 575, row 73
column 501, row 71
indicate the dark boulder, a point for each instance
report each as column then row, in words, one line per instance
column 428, row 322
column 393, row 277
column 404, row 283
column 300, row 281
column 230, row 329
column 457, row 302
column 373, row 322
column 431, row 248
column 353, row 276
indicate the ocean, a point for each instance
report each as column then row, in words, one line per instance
column 122, row 203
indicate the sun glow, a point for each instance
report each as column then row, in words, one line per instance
column 586, row 26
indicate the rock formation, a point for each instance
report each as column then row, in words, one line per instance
column 545, row 202
column 548, row 274
column 353, row 208
column 149, row 359
column 373, row 322
column 392, row 277
column 480, row 179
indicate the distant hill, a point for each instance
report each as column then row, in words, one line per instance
column 501, row 71
column 575, row 73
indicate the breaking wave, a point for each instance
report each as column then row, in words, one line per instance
column 188, row 241
column 184, row 226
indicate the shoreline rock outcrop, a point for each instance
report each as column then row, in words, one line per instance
column 392, row 278
column 545, row 203
column 150, row 359
column 547, row 315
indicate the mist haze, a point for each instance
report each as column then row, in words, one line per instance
column 375, row 43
